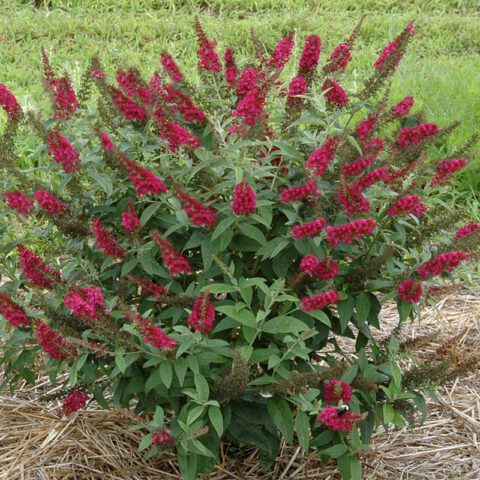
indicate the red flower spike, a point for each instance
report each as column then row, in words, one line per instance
column 162, row 437
column 334, row 94
column 65, row 100
column 415, row 135
column 151, row 288
column 310, row 55
column 106, row 241
column 231, row 70
column 347, row 233
column 198, row 213
column 391, row 56
column 247, row 81
column 365, row 128
column 402, row 108
column 310, row 229
column 410, row 291
column 331, row 418
column 53, row 344
column 152, row 334
column 36, row 270
column 407, row 205
column 74, row 402
column 130, row 220
column 50, row 203
column 63, row 152
column 381, row 174
column 85, row 303
column 12, row 312
column 339, row 59
column 445, row 170
column 469, row 229
column 250, row 108
column 176, row 263
column 208, row 60
column 170, row 66
column 183, row 104
column 298, row 86
column 354, row 168
column 130, row 109
column 309, row 264
column 327, row 269
column 282, row 52
column 441, row 264
column 300, row 192
column 244, row 199
column 9, row 103
column 320, row 159
column 320, row 301
column 144, row 181
column 202, row 317
column 19, row 202
column 336, row 390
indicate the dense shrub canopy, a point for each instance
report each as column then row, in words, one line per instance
column 215, row 257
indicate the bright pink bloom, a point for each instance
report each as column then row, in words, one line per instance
column 183, row 103
column 348, row 232
column 410, row 291
column 130, row 82
column 174, row 260
column 310, row 55
column 446, row 168
column 407, row 205
column 85, row 303
column 244, row 199
column 208, row 60
column 53, row 344
column 106, row 241
column 143, row 180
column 415, row 135
column 320, row 159
column 364, row 129
column 354, row 168
column 63, row 151
column 231, row 71
column 65, row 100
column 250, row 107
column 74, row 402
column 130, row 220
column 36, row 270
column 309, row 229
column 374, row 147
column 441, row 264
column 171, row 67
column 319, row 301
column 351, row 199
column 331, row 418
column 199, row 214
column 50, row 204
column 300, row 192
column 151, row 288
column 177, row 136
column 19, row 202
column 130, row 109
column 12, row 312
column 327, row 269
column 97, row 74
column 371, row 177
column 107, row 143
column 152, row 334
column 282, row 52
column 298, row 86
column 469, row 229
column 336, row 390
column 390, row 56
column 8, row 102
column 309, row 264
column 163, row 437
column 203, row 314
column 334, row 93
column 339, row 59
column 403, row 107
column 247, row 81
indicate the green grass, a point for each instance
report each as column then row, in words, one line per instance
column 441, row 69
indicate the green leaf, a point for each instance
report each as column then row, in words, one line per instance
column 120, row 363
column 146, row 441
column 149, row 212
column 280, row 413
column 322, row 316
column 219, row 288
column 345, row 312
column 284, row 324
column 334, row 451
column 404, row 310
column 180, row 366
column 129, row 265
column 222, row 227
column 202, row 387
column 302, row 428
column 363, row 307
column 216, row 417
column 252, row 232
column 273, row 247
column 239, row 313
column 158, row 417
column 166, row 373
column 105, row 181
column 153, row 380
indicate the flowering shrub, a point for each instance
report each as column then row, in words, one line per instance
column 215, row 257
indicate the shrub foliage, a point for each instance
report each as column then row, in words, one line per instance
column 215, row 256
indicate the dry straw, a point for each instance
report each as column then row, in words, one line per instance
column 95, row 444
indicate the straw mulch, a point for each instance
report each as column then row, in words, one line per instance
column 95, row 444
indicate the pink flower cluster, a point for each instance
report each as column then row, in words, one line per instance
column 36, row 270
column 469, row 229
column 319, row 301
column 106, row 241
column 153, row 335
column 202, row 317
column 403, row 107
column 443, row 263
column 162, row 437
column 53, row 344
column 410, row 291
column 336, row 390
column 247, row 81
column 250, row 107
column 407, row 205
column 374, row 147
column 390, row 56
column 50, row 203
column 143, row 180
column 177, row 136
column 300, row 192
column 174, row 260
column 152, row 288
column 309, row 229
column 74, row 402
column 446, row 168
column 372, row 177
column 12, row 312
column 8, row 102
column 107, row 143
column 282, row 52
column 348, row 232
column 183, row 104
column 298, row 86
column 331, row 418
column 365, row 128
column 334, row 93
column 65, row 100
column 354, row 168
column 208, row 60
column 351, row 199
column 339, row 59
column 130, row 220
column 63, row 151
column 170, row 66
column 197, row 212
column 325, row 269
column 415, row 135
column 85, row 303
column 231, row 70
column 130, row 109
column 19, row 202
column 310, row 55
column 244, row 199
column 320, row 159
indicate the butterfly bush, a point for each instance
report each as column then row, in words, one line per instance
column 214, row 253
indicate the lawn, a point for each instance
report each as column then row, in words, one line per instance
column 440, row 70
